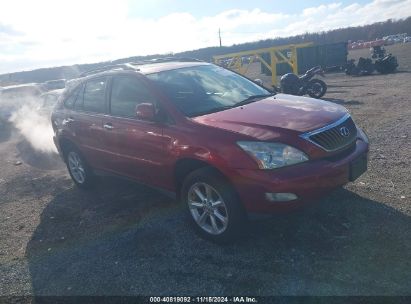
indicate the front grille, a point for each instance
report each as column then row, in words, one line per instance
column 341, row 154
column 333, row 137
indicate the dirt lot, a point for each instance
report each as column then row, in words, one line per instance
column 125, row 239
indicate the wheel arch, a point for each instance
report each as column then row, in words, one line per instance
column 64, row 144
column 185, row 166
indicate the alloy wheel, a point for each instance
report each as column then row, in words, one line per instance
column 76, row 167
column 207, row 208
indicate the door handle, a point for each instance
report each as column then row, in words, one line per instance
column 108, row 126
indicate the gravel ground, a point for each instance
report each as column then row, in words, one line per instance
column 126, row 239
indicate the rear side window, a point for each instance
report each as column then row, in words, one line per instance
column 126, row 94
column 94, row 96
column 69, row 102
column 79, row 100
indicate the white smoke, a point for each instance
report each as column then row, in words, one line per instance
column 35, row 127
column 33, row 122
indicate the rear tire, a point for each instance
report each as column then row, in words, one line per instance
column 80, row 172
column 213, row 207
column 316, row 88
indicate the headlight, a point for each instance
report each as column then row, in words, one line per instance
column 272, row 155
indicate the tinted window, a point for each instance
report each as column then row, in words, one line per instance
column 126, row 94
column 69, row 102
column 94, row 96
column 79, row 100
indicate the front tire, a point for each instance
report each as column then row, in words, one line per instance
column 213, row 207
column 316, row 88
column 79, row 170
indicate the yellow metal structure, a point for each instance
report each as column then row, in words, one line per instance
column 235, row 60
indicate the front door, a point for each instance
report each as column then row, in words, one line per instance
column 138, row 147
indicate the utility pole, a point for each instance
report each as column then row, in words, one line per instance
column 219, row 36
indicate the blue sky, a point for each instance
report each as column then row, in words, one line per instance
column 45, row 33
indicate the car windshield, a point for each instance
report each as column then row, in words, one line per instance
column 204, row 89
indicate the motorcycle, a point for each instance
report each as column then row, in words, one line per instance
column 387, row 64
column 292, row 84
column 364, row 67
column 384, row 65
column 377, row 52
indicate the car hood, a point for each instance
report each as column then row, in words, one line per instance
column 271, row 117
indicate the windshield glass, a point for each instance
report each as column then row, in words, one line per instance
column 205, row 89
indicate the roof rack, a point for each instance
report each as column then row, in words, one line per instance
column 130, row 66
column 165, row 59
column 122, row 66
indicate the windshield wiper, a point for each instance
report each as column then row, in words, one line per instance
column 248, row 100
column 213, row 110
column 252, row 98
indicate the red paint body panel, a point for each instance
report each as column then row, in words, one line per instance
column 309, row 181
column 268, row 118
column 148, row 151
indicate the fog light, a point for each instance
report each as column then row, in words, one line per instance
column 280, row 197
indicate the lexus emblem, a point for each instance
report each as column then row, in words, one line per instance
column 344, row 131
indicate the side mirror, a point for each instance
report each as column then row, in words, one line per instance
column 145, row 111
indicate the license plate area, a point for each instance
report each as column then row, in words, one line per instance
column 357, row 167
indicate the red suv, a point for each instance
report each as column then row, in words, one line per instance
column 224, row 145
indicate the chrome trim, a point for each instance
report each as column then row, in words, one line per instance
column 307, row 135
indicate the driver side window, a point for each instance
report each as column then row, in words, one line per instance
column 126, row 93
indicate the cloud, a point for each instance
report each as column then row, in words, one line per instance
column 8, row 30
column 47, row 33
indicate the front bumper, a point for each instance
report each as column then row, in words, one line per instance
column 309, row 181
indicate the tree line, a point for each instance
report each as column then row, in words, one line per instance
column 366, row 32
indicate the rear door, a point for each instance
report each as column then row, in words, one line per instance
column 138, row 146
column 66, row 118
column 89, row 109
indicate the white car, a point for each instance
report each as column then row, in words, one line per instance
column 13, row 97
column 48, row 100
